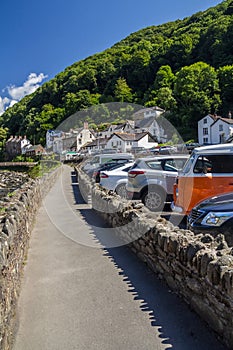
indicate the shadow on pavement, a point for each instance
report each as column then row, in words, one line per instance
column 179, row 327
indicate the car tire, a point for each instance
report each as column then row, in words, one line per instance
column 154, row 199
column 121, row 191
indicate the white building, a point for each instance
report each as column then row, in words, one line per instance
column 148, row 112
column 72, row 140
column 214, row 129
column 50, row 136
column 221, row 130
column 125, row 142
column 151, row 125
column 128, row 126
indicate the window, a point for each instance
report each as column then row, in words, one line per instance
column 156, row 165
column 203, row 165
column 205, row 140
column 220, row 127
column 174, row 164
column 205, row 121
column 90, row 136
column 205, row 131
column 126, row 169
column 219, row 164
column 80, row 141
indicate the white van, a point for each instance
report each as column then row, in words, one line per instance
column 208, row 172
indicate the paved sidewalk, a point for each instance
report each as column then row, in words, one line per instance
column 78, row 295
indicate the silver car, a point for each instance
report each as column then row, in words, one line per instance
column 116, row 179
column 151, row 179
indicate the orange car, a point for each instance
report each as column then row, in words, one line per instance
column 208, row 172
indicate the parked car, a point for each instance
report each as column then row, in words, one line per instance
column 207, row 173
column 116, row 179
column 100, row 159
column 190, row 146
column 113, row 164
column 167, row 149
column 151, row 179
column 214, row 214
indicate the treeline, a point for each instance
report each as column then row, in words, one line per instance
column 184, row 67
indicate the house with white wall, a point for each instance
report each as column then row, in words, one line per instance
column 154, row 111
column 128, row 126
column 221, row 130
column 125, row 142
column 152, row 126
column 50, row 137
column 213, row 129
column 84, row 136
column 204, row 129
column 72, row 140
column 15, row 146
column 98, row 144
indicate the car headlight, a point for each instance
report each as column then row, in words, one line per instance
column 216, row 218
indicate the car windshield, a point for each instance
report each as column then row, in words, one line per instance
column 188, row 164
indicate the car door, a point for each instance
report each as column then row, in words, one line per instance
column 170, row 174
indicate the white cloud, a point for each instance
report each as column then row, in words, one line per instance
column 4, row 102
column 16, row 93
column 30, row 85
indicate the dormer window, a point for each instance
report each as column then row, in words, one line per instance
column 205, row 121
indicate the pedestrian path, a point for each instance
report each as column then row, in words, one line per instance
column 77, row 294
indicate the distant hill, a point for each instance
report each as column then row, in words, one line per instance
column 184, row 67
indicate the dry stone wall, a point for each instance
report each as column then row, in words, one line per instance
column 197, row 267
column 17, row 214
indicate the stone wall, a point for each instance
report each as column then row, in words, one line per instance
column 197, row 267
column 17, row 214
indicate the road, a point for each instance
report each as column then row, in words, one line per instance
column 78, row 294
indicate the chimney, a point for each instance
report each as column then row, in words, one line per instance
column 229, row 115
column 85, row 125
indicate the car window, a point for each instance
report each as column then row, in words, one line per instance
column 179, row 163
column 188, row 164
column 221, row 163
column 155, row 164
column 169, row 167
column 203, row 165
column 174, row 164
column 126, row 169
column 218, row 164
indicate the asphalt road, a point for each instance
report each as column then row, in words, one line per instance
column 78, row 294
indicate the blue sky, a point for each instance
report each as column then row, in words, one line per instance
column 41, row 38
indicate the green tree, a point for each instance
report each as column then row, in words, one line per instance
column 196, row 91
column 225, row 75
column 122, row 91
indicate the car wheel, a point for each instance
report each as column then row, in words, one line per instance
column 154, row 199
column 121, row 191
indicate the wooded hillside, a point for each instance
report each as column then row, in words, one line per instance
column 184, row 67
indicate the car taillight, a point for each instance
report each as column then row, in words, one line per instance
column 134, row 173
column 103, row 176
